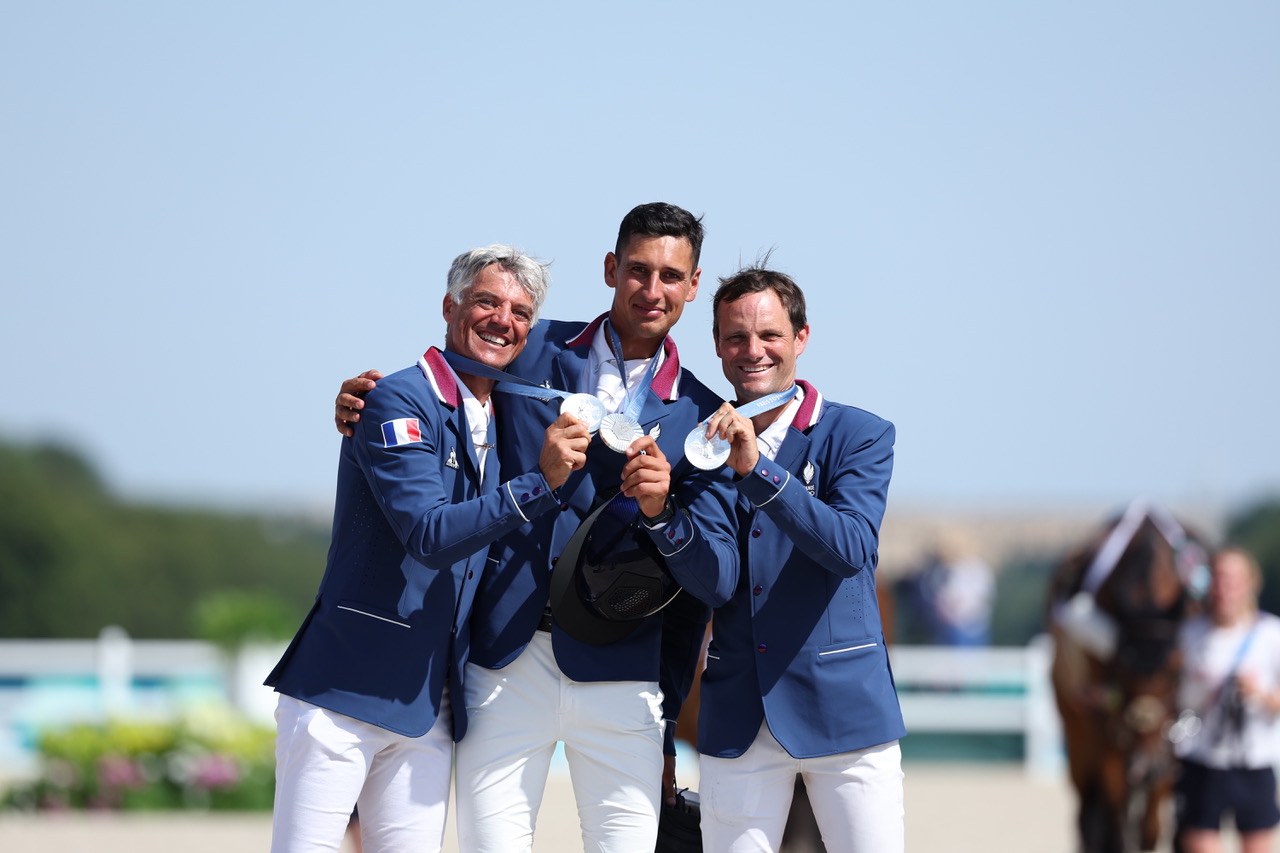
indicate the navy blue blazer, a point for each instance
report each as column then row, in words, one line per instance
column 412, row 525
column 698, row 543
column 801, row 643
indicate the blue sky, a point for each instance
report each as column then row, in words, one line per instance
column 1041, row 238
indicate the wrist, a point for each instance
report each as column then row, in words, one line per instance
column 664, row 515
column 747, row 462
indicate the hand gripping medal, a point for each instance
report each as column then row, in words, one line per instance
column 705, row 453
column 711, row 453
column 585, row 408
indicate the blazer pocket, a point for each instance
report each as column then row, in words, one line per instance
column 359, row 608
column 850, row 649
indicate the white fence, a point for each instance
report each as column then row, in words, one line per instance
column 46, row 683
column 983, row 690
column 51, row 683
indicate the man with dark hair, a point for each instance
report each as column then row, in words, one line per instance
column 797, row 680
column 371, row 691
column 549, row 662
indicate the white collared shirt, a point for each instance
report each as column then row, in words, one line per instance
column 603, row 372
column 770, row 441
column 478, row 416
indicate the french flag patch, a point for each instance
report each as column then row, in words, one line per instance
column 401, row 431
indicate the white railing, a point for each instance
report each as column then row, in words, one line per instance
column 983, row 690
column 47, row 683
column 52, row 683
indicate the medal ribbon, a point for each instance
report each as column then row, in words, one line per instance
column 767, row 403
column 633, row 404
column 508, row 382
column 708, row 453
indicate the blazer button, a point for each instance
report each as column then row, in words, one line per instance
column 470, row 573
column 564, row 507
column 763, row 647
column 755, row 534
column 524, row 497
column 759, row 589
column 764, row 471
column 537, row 490
column 776, row 478
column 555, row 560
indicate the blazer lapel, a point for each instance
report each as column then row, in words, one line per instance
column 655, row 409
column 663, row 388
column 569, row 369
column 794, row 450
column 467, row 447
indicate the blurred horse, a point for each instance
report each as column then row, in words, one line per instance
column 1115, row 608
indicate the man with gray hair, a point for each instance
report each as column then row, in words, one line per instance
column 371, row 687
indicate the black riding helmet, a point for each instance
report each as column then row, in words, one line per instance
column 610, row 575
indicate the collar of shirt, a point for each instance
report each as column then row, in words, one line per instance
column 478, row 415
column 604, row 374
column 770, row 441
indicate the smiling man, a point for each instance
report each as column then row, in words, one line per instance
column 797, row 680
column 548, row 669
column 371, row 688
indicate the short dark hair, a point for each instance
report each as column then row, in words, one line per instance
column 659, row 219
column 757, row 279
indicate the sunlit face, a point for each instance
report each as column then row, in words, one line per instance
column 651, row 281
column 491, row 323
column 757, row 346
column 1231, row 586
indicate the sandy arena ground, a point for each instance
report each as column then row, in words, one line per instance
column 957, row 808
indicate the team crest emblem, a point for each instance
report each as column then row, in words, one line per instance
column 807, row 475
column 452, row 461
column 655, row 432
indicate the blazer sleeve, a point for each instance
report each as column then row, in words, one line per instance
column 420, row 496
column 700, row 541
column 684, row 627
column 840, row 527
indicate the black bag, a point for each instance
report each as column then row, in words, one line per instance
column 679, row 826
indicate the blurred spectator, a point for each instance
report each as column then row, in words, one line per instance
column 1228, row 736
column 955, row 594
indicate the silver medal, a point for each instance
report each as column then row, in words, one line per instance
column 705, row 453
column 617, row 431
column 586, row 408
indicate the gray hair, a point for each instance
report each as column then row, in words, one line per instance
column 530, row 272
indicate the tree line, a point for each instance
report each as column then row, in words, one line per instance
column 75, row 558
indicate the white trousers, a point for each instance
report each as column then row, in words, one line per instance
column 856, row 797
column 612, row 735
column 327, row 764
